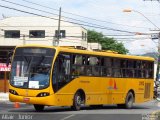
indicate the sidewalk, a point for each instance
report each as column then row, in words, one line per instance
column 4, row 97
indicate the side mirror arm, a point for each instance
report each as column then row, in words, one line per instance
column 9, row 56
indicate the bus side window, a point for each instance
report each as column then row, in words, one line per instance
column 78, row 62
column 106, row 67
column 94, row 68
column 123, row 68
column 150, row 70
column 116, row 68
column 143, row 66
column 130, row 68
column 78, row 59
column 138, row 69
column 146, row 70
column 108, row 64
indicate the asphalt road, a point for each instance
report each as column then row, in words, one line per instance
column 108, row 112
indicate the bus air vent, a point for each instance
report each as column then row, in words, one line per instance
column 147, row 90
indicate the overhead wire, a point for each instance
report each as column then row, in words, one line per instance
column 81, row 15
column 49, row 12
column 54, row 14
column 105, row 35
column 98, row 27
column 44, row 11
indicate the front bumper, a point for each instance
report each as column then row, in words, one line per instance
column 47, row 100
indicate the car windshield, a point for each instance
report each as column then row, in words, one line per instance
column 31, row 67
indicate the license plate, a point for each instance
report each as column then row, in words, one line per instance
column 26, row 99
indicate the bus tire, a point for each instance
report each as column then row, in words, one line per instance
column 39, row 108
column 77, row 101
column 129, row 100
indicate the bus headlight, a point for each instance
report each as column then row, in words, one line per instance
column 13, row 92
column 43, row 94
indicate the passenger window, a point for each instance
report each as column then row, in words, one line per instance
column 116, row 67
column 93, row 67
column 78, row 67
column 78, row 60
column 106, row 66
column 108, row 62
column 93, row 61
column 130, row 64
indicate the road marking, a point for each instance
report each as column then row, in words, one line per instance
column 65, row 118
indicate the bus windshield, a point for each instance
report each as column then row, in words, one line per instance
column 31, row 67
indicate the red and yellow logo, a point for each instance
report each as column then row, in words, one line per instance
column 112, row 85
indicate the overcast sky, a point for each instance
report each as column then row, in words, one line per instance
column 109, row 12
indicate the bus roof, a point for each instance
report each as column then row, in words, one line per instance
column 97, row 53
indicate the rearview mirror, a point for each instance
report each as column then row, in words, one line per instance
column 9, row 57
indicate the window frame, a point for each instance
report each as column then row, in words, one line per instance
column 13, row 34
column 60, row 36
column 42, row 35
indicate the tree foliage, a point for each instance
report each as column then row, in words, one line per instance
column 107, row 43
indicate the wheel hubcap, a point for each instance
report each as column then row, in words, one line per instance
column 130, row 101
column 78, row 100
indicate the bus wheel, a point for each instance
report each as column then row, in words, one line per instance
column 77, row 101
column 129, row 100
column 39, row 108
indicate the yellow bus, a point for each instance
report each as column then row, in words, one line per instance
column 58, row 76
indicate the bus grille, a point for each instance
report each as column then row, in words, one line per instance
column 147, row 90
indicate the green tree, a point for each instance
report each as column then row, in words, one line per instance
column 107, row 43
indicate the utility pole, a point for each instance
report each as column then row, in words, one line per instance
column 24, row 40
column 59, row 25
column 56, row 38
column 158, row 55
column 158, row 58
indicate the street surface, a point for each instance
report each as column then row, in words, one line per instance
column 108, row 112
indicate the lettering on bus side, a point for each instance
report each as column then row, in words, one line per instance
column 141, row 89
column 141, row 83
column 83, row 81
